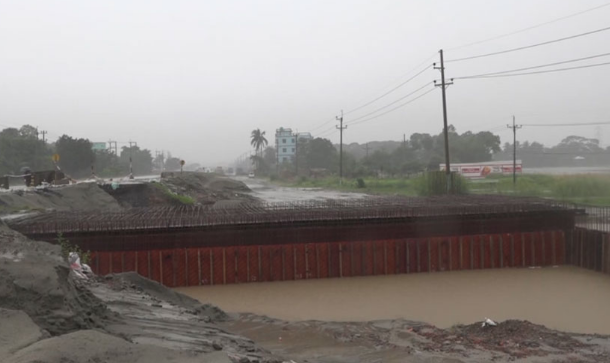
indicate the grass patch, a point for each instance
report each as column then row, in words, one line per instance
column 182, row 199
column 581, row 189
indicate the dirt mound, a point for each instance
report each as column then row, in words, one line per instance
column 131, row 280
column 207, row 188
column 17, row 331
column 83, row 196
column 515, row 338
column 34, row 278
column 94, row 346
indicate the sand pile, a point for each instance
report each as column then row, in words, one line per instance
column 35, row 279
column 83, row 196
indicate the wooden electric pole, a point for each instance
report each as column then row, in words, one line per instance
column 514, row 127
column 341, row 128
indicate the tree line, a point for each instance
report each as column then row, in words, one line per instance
column 22, row 149
column 420, row 152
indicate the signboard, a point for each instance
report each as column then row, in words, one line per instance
column 481, row 170
column 56, row 158
column 182, row 162
column 98, row 146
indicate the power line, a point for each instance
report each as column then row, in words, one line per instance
column 385, row 94
column 388, row 92
column 529, row 46
column 529, row 28
column 540, row 72
column 390, row 104
column 535, row 67
column 393, row 109
column 569, row 124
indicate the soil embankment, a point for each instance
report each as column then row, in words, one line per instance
column 77, row 197
column 181, row 189
column 49, row 315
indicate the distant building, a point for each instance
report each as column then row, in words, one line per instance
column 286, row 143
column 98, row 146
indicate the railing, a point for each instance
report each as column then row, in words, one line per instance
column 593, row 218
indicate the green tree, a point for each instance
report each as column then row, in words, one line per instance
column 319, row 154
column 172, row 164
column 107, row 163
column 76, row 156
column 21, row 148
column 141, row 159
column 258, row 140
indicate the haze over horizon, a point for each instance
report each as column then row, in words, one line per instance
column 195, row 78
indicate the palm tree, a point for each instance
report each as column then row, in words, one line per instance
column 258, row 140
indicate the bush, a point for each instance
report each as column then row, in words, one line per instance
column 360, row 183
column 67, row 247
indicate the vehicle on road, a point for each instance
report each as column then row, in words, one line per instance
column 251, row 175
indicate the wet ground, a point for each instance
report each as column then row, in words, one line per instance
column 268, row 192
column 565, row 298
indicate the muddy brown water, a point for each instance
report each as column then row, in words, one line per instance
column 563, row 298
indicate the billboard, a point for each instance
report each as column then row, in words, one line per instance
column 481, row 170
column 98, row 146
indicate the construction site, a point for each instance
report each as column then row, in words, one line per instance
column 333, row 278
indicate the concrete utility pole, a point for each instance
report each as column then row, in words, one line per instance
column 404, row 141
column 514, row 127
column 444, row 86
column 296, row 153
column 340, row 128
column 43, row 135
column 131, row 158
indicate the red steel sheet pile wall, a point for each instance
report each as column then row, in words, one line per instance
column 240, row 264
column 589, row 249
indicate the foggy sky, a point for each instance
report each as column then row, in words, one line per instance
column 195, row 77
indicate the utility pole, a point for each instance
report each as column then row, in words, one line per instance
column 296, row 153
column 515, row 128
column 131, row 158
column 444, row 86
column 43, row 136
column 110, row 143
column 404, row 141
column 340, row 128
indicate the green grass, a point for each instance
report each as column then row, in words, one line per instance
column 580, row 189
column 182, row 199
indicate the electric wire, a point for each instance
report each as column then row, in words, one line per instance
column 392, row 103
column 540, row 72
column 529, row 46
column 529, row 28
column 534, row 67
column 392, row 109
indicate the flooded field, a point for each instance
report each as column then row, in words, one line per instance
column 565, row 298
column 272, row 193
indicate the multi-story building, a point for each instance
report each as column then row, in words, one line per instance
column 286, row 143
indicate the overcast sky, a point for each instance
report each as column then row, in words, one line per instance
column 195, row 77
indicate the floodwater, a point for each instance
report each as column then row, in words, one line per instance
column 563, row 298
column 273, row 193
